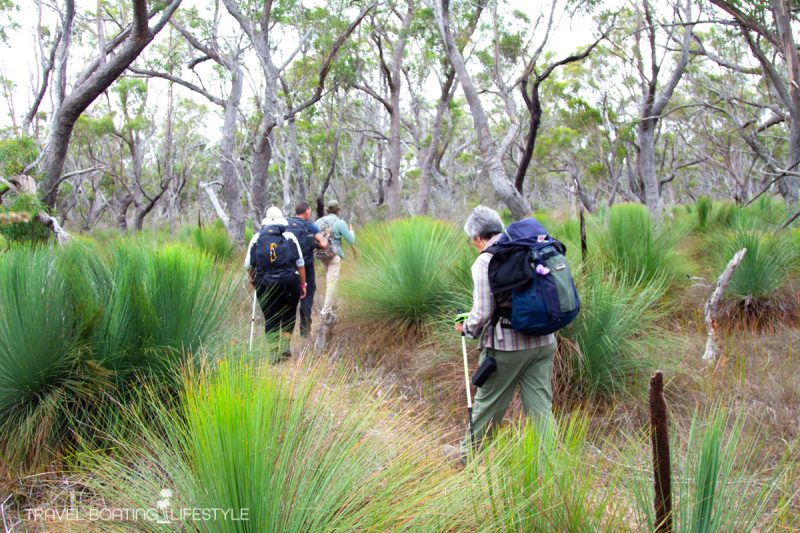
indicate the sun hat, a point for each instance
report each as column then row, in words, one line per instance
column 274, row 217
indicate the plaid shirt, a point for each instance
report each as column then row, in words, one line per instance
column 505, row 339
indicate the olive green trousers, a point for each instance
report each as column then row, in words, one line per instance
column 532, row 370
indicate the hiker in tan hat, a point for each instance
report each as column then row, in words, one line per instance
column 333, row 229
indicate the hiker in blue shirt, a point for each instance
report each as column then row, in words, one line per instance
column 334, row 229
column 309, row 236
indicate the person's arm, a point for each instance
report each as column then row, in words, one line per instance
column 322, row 242
column 346, row 233
column 302, row 271
column 299, row 263
column 482, row 304
column 250, row 270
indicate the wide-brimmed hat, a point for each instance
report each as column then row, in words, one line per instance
column 274, row 217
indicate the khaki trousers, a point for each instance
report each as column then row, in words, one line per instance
column 532, row 370
column 332, row 268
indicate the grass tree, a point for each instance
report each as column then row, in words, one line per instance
column 84, row 325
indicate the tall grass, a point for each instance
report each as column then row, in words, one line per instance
column 298, row 456
column 82, row 324
column 281, row 447
column 721, row 482
column 547, row 481
column 408, row 272
column 612, row 337
column 635, row 246
column 704, row 207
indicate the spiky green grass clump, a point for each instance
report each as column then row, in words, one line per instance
column 612, row 338
column 724, row 215
column 765, row 267
column 83, row 324
column 408, row 272
column 43, row 375
column 292, row 455
column 214, row 240
column 636, row 247
column 303, row 450
column 721, row 481
column 766, row 211
column 703, row 211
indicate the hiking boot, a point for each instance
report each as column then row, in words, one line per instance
column 454, row 454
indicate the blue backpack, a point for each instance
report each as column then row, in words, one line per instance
column 305, row 236
column 531, row 280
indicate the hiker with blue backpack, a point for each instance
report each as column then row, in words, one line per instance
column 310, row 238
column 277, row 271
column 523, row 292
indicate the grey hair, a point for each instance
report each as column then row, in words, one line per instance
column 484, row 222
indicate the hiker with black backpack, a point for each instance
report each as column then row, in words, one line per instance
column 310, row 238
column 523, row 293
column 334, row 229
column 277, row 271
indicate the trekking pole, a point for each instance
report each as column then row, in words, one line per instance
column 253, row 320
column 461, row 318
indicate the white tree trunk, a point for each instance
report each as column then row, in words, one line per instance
column 712, row 343
column 491, row 155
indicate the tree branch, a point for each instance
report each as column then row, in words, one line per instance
column 180, row 81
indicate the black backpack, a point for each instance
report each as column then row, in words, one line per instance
column 273, row 256
column 531, row 280
column 305, row 236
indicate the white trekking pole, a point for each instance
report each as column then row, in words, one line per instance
column 460, row 319
column 253, row 320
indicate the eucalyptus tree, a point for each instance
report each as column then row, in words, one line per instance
column 113, row 57
column 766, row 27
column 433, row 135
column 537, row 69
column 656, row 88
column 491, row 150
column 207, row 41
column 390, row 34
column 267, row 24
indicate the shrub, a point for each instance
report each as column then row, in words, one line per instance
column 642, row 252
column 29, row 230
column 409, row 271
column 612, row 337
